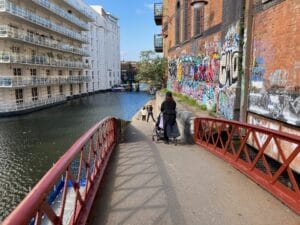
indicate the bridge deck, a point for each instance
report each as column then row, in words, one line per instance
column 154, row 183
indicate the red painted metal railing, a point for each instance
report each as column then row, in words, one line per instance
column 268, row 157
column 66, row 193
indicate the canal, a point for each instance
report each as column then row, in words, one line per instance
column 31, row 144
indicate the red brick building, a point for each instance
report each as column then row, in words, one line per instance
column 240, row 57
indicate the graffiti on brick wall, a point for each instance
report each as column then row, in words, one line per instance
column 229, row 70
column 274, row 95
column 197, row 76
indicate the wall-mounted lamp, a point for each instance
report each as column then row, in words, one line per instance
column 198, row 3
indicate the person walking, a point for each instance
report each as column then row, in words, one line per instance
column 144, row 113
column 168, row 108
column 150, row 113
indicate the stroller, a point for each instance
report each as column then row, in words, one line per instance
column 158, row 131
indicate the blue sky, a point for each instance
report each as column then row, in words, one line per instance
column 136, row 22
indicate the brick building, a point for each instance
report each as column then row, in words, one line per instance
column 240, row 57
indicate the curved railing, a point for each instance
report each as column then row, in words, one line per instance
column 65, row 194
column 268, row 157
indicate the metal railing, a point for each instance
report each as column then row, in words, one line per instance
column 41, row 60
column 158, row 43
column 32, row 104
column 25, row 81
column 158, row 13
column 7, row 6
column 78, row 171
column 10, row 32
column 62, row 13
column 251, row 149
column 80, row 9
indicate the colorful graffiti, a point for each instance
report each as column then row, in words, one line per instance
column 197, row 76
column 272, row 95
column 229, row 69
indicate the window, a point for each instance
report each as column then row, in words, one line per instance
column 34, row 92
column 33, row 72
column 87, row 87
column 15, row 49
column 17, row 71
column 79, row 88
column 177, row 23
column 49, row 91
column 60, row 73
column 187, row 20
column 71, row 89
column 61, row 91
column 70, row 72
column 198, row 20
column 79, row 73
column 48, row 73
column 19, row 95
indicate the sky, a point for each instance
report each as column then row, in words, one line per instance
column 136, row 21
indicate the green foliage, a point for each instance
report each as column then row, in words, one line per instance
column 151, row 68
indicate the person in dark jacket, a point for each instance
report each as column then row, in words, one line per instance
column 168, row 108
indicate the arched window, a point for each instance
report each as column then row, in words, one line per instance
column 186, row 20
column 177, row 23
column 198, row 20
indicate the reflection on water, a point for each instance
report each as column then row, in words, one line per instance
column 30, row 144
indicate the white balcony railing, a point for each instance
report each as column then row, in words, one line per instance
column 40, row 60
column 8, row 7
column 62, row 13
column 10, row 32
column 80, row 9
column 14, row 107
column 27, row 81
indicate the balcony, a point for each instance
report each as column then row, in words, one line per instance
column 16, row 34
column 62, row 13
column 158, row 13
column 80, row 10
column 28, row 81
column 16, row 11
column 158, row 43
column 40, row 60
column 15, row 107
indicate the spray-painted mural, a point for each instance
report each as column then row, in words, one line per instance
column 197, row 76
column 229, row 70
column 274, row 95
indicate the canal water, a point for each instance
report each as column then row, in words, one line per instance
column 31, row 144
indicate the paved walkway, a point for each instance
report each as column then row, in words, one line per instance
column 152, row 183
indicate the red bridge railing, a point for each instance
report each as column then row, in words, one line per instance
column 268, row 157
column 66, row 193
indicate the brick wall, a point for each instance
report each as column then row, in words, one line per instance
column 275, row 75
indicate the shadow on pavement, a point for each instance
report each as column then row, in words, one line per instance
column 136, row 188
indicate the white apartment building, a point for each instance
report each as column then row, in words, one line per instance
column 52, row 50
column 104, row 48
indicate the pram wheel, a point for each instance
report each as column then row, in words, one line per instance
column 175, row 141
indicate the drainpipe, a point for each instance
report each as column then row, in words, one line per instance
column 248, row 22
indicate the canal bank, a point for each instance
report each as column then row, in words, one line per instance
column 31, row 143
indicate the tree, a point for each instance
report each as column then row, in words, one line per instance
column 151, row 69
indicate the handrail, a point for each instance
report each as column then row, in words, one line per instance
column 25, row 81
column 9, row 7
column 269, row 157
column 9, row 32
column 41, row 60
column 14, row 107
column 92, row 150
column 63, row 13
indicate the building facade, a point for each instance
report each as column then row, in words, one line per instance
column 48, row 52
column 104, row 48
column 238, row 58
